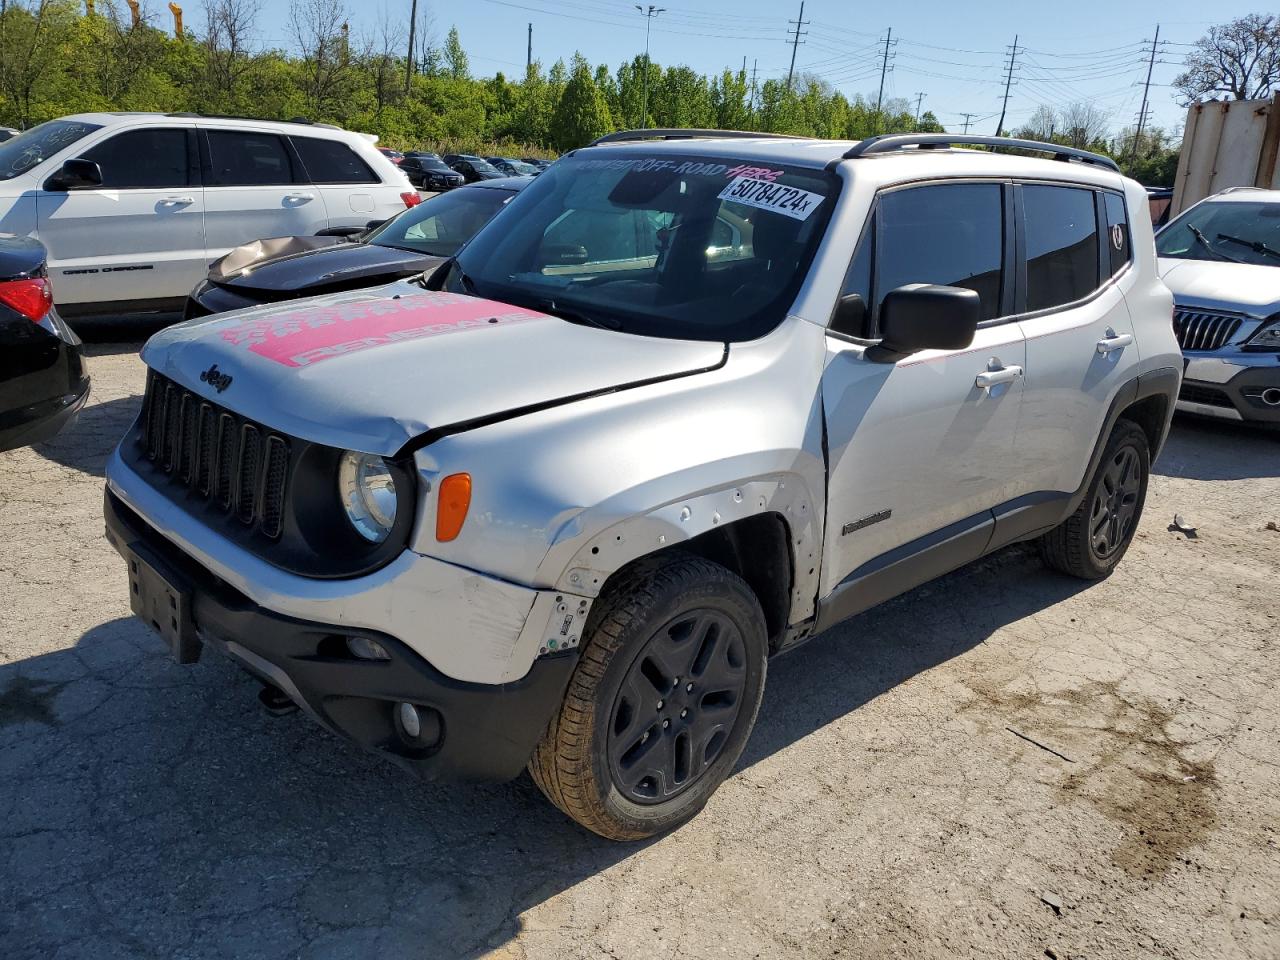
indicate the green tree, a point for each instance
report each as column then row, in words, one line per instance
column 455, row 57
column 582, row 114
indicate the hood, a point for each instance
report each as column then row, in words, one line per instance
column 289, row 264
column 370, row 370
column 1217, row 284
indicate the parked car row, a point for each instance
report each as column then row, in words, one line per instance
column 431, row 171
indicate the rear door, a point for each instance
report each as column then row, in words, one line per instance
column 345, row 183
column 139, row 238
column 1080, row 345
column 255, row 188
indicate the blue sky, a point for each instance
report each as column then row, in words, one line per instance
column 1085, row 50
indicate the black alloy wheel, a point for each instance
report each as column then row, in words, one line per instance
column 676, row 706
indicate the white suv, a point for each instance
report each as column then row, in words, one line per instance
column 132, row 207
column 688, row 400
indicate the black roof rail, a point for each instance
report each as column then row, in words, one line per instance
column 231, row 116
column 689, row 133
column 887, row 143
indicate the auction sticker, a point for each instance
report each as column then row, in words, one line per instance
column 774, row 197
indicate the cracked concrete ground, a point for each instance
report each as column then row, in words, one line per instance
column 893, row 801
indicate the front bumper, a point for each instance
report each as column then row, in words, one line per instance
column 487, row 732
column 210, row 298
column 1231, row 385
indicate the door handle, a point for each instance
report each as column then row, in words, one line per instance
column 1114, row 341
column 300, row 197
column 996, row 374
column 176, row 201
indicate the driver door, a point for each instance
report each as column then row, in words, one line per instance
column 137, row 238
column 919, row 451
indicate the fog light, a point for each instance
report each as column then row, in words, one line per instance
column 419, row 728
column 363, row 648
column 409, row 721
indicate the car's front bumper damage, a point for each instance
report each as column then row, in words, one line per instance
column 486, row 660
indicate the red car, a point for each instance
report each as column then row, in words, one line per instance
column 395, row 156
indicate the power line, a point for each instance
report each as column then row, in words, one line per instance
column 649, row 14
column 1146, row 90
column 1008, row 82
column 796, row 41
column 884, row 69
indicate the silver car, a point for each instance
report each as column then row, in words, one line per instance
column 688, row 400
column 1221, row 259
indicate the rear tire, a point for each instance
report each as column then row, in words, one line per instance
column 1090, row 542
column 662, row 701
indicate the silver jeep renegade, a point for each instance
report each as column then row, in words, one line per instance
column 690, row 399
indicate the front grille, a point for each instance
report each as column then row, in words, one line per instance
column 1209, row 396
column 227, row 460
column 1200, row 331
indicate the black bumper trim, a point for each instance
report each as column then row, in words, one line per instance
column 1243, row 392
column 489, row 730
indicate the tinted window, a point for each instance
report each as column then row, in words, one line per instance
column 142, row 158
column 24, row 151
column 1117, row 238
column 243, row 159
column 330, row 161
column 1062, row 245
column 440, row 226
column 950, row 234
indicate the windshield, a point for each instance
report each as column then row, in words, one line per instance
column 1243, row 232
column 440, row 226
column 24, row 151
column 695, row 248
column 483, row 167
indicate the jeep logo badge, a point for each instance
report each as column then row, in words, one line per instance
column 216, row 378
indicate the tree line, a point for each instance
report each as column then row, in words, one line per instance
column 57, row 58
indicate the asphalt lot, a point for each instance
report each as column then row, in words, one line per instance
column 892, row 802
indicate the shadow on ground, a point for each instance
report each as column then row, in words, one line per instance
column 88, row 443
column 157, row 810
column 1199, row 448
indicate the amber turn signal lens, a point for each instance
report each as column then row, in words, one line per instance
column 451, row 509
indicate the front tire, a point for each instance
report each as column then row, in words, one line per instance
column 1090, row 542
column 662, row 701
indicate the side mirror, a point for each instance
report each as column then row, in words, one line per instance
column 76, row 174
column 850, row 316
column 924, row 316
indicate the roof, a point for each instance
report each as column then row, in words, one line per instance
column 1245, row 195
column 901, row 164
column 117, row 118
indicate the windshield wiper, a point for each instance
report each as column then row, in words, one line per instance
column 575, row 316
column 1204, row 242
column 468, row 284
column 1257, row 246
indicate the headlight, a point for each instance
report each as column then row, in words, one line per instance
column 368, row 493
column 1268, row 338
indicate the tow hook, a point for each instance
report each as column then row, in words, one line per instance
column 275, row 701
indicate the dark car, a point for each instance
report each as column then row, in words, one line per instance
column 287, row 268
column 7, row 133
column 43, row 382
column 427, row 171
column 473, row 169
column 538, row 162
column 513, row 167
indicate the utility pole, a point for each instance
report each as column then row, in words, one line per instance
column 413, row 29
column 528, row 57
column 755, row 65
column 1008, row 82
column 1146, row 89
column 649, row 14
column 919, row 100
column 968, row 121
column 884, row 68
column 795, row 41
